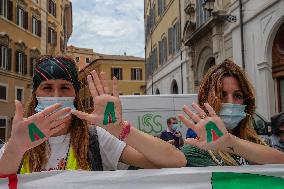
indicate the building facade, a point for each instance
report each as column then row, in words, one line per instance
column 204, row 35
column 166, row 57
column 28, row 29
column 129, row 70
column 262, row 55
column 82, row 56
column 253, row 40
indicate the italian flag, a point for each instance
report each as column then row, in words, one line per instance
column 240, row 177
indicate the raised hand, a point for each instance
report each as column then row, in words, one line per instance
column 107, row 108
column 211, row 131
column 30, row 132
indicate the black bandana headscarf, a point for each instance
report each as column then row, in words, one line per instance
column 53, row 68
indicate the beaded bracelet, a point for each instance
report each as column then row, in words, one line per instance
column 125, row 131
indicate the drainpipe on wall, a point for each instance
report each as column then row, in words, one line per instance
column 181, row 69
column 242, row 34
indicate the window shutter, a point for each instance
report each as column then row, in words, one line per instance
column 26, row 20
column 178, row 36
column 0, row 54
column 159, row 7
column 9, row 59
column 49, row 6
column 170, row 31
column 10, row 10
column 1, row 7
column 160, row 53
column 31, row 66
column 39, row 28
column 48, row 35
column 18, row 15
column 25, row 65
column 54, row 9
column 55, row 38
column 17, row 62
column 165, row 49
column 140, row 71
column 132, row 74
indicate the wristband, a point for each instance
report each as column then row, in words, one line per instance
column 125, row 131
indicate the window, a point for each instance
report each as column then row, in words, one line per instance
column 201, row 15
column 87, row 60
column 4, row 57
column 6, row 9
column 3, row 92
column 155, row 59
column 52, row 8
column 136, row 93
column 116, row 72
column 161, row 7
column 22, row 18
column 52, row 36
column 32, row 65
column 77, row 59
column 163, row 51
column 174, row 38
column 3, row 122
column 21, row 63
column 136, row 74
column 36, row 26
column 20, row 94
column 3, row 125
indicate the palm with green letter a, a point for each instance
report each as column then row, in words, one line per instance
column 107, row 111
column 210, row 129
column 30, row 132
column 109, row 115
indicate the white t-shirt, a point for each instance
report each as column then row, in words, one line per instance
column 110, row 147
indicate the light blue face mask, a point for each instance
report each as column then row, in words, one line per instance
column 232, row 114
column 44, row 102
column 175, row 127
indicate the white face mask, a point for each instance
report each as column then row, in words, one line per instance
column 44, row 102
column 232, row 114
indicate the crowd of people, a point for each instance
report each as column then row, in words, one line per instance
column 54, row 133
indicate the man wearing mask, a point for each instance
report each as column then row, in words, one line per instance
column 171, row 134
column 276, row 140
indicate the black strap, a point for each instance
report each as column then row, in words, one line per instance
column 94, row 154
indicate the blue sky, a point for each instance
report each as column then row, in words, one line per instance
column 109, row 26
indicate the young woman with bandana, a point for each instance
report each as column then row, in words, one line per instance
column 57, row 135
column 224, row 122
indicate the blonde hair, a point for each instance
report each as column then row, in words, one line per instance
column 210, row 91
column 79, row 141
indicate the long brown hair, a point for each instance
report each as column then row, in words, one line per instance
column 79, row 135
column 210, row 91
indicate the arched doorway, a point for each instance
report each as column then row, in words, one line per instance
column 278, row 66
column 157, row 92
column 209, row 63
column 174, row 87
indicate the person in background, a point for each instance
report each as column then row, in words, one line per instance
column 276, row 140
column 171, row 133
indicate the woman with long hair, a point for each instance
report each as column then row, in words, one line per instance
column 224, row 122
column 56, row 133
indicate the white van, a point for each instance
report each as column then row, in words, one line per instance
column 149, row 113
